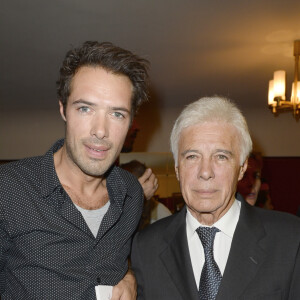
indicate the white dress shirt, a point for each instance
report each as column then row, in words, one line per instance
column 222, row 243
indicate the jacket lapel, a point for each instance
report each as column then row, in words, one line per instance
column 176, row 258
column 246, row 255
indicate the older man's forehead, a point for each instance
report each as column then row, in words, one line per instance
column 216, row 136
column 213, row 127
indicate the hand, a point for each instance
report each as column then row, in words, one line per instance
column 126, row 288
column 149, row 183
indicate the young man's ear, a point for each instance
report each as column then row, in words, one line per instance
column 243, row 169
column 61, row 110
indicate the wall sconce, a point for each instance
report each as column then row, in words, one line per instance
column 276, row 97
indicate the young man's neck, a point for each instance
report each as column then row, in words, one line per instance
column 86, row 191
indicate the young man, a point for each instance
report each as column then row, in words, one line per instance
column 216, row 247
column 67, row 218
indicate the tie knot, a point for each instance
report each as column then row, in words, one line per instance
column 207, row 235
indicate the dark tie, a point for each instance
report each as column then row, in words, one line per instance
column 211, row 276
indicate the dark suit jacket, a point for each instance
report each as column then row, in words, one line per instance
column 263, row 263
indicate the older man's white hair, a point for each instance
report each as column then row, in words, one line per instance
column 210, row 109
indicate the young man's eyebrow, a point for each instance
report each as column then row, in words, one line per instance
column 114, row 108
column 120, row 108
column 81, row 101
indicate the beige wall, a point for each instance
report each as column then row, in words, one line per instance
column 28, row 133
column 273, row 136
column 162, row 165
column 32, row 132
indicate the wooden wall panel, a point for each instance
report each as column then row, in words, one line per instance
column 283, row 176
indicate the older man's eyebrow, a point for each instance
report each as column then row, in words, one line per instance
column 229, row 153
column 189, row 151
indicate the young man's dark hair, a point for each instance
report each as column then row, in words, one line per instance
column 113, row 59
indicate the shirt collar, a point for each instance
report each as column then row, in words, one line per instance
column 50, row 179
column 226, row 224
column 116, row 187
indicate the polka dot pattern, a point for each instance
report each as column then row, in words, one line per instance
column 47, row 251
column 211, row 276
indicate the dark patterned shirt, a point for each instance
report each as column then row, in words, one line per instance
column 47, row 251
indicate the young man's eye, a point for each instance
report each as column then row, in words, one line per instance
column 84, row 109
column 118, row 115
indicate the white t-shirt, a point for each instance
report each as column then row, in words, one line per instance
column 94, row 217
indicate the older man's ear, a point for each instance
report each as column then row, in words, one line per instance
column 177, row 173
column 243, row 169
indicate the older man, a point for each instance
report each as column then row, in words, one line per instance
column 216, row 247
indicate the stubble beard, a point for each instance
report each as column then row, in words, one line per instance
column 89, row 166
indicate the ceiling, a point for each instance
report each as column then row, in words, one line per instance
column 196, row 47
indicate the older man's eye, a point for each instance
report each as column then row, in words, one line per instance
column 222, row 157
column 190, row 157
